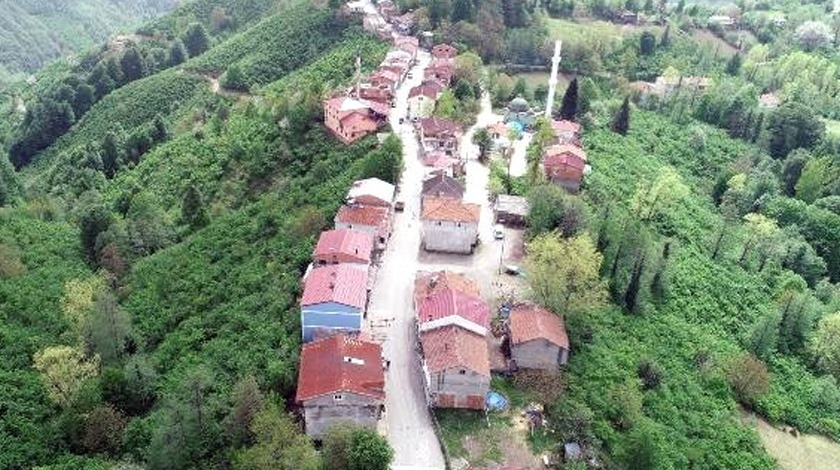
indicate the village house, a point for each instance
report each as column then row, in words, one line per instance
column 385, row 78
column 444, row 298
column 566, row 132
column 442, row 185
column 449, row 225
column 380, row 94
column 343, row 246
column 512, row 210
column 334, row 300
column 440, row 70
column 628, row 17
column 722, row 21
column 665, row 86
column 564, row 165
column 372, row 220
column 456, row 367
column 351, row 119
column 537, row 338
column 408, row 44
column 439, row 135
column 371, row 192
column 341, row 380
column 451, row 307
column 422, row 99
column 769, row 101
column 441, row 163
column 499, row 131
column 444, row 51
column 404, row 23
column 387, row 9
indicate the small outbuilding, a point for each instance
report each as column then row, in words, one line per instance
column 371, row 192
column 538, row 338
column 512, row 210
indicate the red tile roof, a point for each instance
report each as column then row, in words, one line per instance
column 429, row 283
column 362, row 215
column 566, row 149
column 455, row 347
column 450, row 302
column 530, row 322
column 565, row 126
column 339, row 283
column 429, row 88
column 448, row 209
column 352, row 243
column 340, row 363
column 444, row 50
column 436, row 126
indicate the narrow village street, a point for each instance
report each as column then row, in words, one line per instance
column 391, row 313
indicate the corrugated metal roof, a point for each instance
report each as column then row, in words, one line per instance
column 339, row 283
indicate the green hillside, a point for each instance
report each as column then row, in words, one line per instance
column 33, row 33
column 171, row 225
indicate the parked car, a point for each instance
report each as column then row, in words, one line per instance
column 399, row 206
column 513, row 270
column 498, row 231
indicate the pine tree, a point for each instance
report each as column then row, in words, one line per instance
column 132, row 65
column 196, row 39
column 568, row 110
column 621, row 123
column 734, row 65
column 193, row 211
column 665, row 41
column 177, row 53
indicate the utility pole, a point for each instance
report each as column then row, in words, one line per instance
column 552, row 80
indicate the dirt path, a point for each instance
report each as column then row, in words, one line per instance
column 806, row 452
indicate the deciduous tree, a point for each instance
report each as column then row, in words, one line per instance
column 826, row 344
column 564, row 273
column 279, row 444
column 64, row 370
column 749, row 379
column 369, row 451
column 196, row 39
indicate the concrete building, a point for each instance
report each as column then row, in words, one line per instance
column 440, row 135
column 350, row 119
column 373, row 220
column 340, row 380
column 538, row 338
column 456, row 367
column 334, row 300
column 371, row 192
column 343, row 246
column 449, row 225
column 422, row 99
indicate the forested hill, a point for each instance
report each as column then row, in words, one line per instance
column 35, row 32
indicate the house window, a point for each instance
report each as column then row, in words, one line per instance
column 439, row 223
column 462, row 372
column 338, row 397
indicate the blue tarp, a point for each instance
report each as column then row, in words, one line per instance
column 495, row 401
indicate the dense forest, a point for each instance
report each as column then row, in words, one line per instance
column 161, row 199
column 34, row 33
